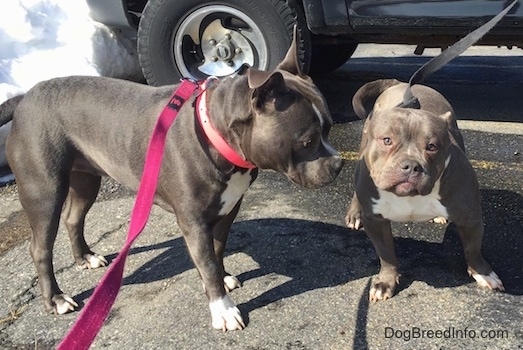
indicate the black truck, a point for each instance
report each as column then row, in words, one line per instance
column 201, row 38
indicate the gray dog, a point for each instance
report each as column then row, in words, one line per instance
column 412, row 167
column 68, row 132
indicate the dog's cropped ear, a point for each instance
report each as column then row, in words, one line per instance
column 273, row 91
column 291, row 62
column 257, row 78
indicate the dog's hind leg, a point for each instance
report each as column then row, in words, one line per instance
column 471, row 237
column 83, row 188
column 353, row 217
column 42, row 193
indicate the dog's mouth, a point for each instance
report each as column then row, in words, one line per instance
column 404, row 179
column 406, row 188
column 411, row 186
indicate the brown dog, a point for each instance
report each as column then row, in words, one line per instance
column 412, row 167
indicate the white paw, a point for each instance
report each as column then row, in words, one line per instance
column 356, row 225
column 231, row 282
column 377, row 294
column 225, row 315
column 491, row 281
column 439, row 220
column 64, row 303
column 94, row 261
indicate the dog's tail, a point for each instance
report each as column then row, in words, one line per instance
column 7, row 109
column 366, row 96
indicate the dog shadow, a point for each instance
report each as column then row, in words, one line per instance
column 318, row 255
column 315, row 255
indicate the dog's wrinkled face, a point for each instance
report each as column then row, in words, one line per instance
column 408, row 150
column 291, row 126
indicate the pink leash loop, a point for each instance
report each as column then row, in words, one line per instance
column 94, row 313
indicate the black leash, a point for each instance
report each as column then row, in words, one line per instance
column 409, row 100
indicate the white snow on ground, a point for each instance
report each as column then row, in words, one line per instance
column 43, row 39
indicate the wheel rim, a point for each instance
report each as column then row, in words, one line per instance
column 216, row 40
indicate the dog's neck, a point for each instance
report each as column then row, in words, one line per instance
column 215, row 137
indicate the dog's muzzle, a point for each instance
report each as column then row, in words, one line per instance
column 317, row 173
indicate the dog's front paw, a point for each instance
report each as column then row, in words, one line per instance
column 353, row 219
column 231, row 283
column 354, row 223
column 383, row 288
column 92, row 261
column 439, row 220
column 62, row 304
column 225, row 315
column 491, row 281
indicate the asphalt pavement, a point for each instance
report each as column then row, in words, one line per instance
column 305, row 276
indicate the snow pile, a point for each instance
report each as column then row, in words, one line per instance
column 43, row 39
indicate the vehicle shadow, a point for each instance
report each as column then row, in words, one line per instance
column 465, row 81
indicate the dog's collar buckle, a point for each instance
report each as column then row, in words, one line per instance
column 215, row 138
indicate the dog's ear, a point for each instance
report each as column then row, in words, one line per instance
column 273, row 91
column 452, row 126
column 291, row 62
column 364, row 99
column 257, row 78
column 447, row 116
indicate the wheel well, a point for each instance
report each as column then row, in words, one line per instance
column 136, row 5
column 135, row 9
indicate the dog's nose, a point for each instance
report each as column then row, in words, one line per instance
column 411, row 167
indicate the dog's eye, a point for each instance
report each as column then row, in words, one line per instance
column 307, row 143
column 387, row 141
column 432, row 147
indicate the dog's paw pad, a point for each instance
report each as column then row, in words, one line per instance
column 491, row 281
column 63, row 304
column 439, row 220
column 231, row 282
column 225, row 315
column 93, row 261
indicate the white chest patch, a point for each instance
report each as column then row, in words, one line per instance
column 236, row 187
column 416, row 208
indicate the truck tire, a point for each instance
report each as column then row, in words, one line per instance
column 326, row 58
column 197, row 39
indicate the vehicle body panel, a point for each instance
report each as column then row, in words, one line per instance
column 373, row 21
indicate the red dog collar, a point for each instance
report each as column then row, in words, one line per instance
column 215, row 138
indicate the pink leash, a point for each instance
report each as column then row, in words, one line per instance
column 94, row 313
